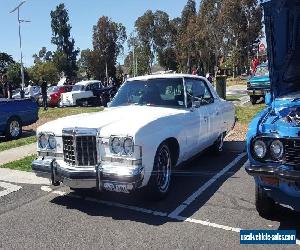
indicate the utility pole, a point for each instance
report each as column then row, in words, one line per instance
column 20, row 40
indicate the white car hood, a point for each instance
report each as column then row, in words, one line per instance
column 125, row 120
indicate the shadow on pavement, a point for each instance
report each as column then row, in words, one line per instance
column 288, row 219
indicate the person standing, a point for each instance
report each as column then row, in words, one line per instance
column 44, row 94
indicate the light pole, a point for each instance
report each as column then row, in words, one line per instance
column 20, row 39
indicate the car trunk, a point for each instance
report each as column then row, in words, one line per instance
column 282, row 20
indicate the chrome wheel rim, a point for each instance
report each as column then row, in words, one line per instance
column 164, row 169
column 14, row 128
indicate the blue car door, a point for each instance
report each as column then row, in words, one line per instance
column 3, row 116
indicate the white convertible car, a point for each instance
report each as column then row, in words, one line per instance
column 153, row 124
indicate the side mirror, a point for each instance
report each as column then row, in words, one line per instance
column 268, row 99
column 196, row 104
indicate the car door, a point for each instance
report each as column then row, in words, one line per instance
column 197, row 118
column 214, row 114
column 3, row 116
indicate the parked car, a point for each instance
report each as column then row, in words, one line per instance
column 153, row 124
column 259, row 84
column 54, row 95
column 14, row 114
column 86, row 93
column 273, row 140
column 36, row 93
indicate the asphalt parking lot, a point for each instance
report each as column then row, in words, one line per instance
column 212, row 198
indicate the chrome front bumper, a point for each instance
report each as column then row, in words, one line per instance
column 89, row 177
column 284, row 173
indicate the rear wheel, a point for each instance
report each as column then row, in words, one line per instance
column 159, row 183
column 264, row 204
column 13, row 128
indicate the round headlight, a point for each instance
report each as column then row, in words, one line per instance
column 116, row 146
column 43, row 141
column 276, row 149
column 260, row 149
column 128, row 146
column 52, row 142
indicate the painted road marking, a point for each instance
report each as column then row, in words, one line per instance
column 203, row 188
column 8, row 188
column 151, row 212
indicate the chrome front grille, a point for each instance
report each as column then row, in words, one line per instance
column 79, row 150
column 292, row 153
column 69, row 150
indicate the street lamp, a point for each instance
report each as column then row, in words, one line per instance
column 20, row 39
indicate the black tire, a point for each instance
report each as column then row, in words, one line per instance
column 160, row 180
column 217, row 147
column 253, row 99
column 13, row 129
column 264, row 204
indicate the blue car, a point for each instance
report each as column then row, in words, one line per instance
column 259, row 84
column 273, row 140
column 16, row 113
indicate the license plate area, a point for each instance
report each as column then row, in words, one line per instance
column 113, row 187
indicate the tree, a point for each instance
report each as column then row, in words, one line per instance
column 145, row 28
column 243, row 24
column 188, row 12
column 5, row 61
column 14, row 74
column 108, row 40
column 44, row 70
column 186, row 39
column 43, row 56
column 65, row 56
column 165, row 33
column 86, row 64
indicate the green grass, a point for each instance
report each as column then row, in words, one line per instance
column 50, row 114
column 54, row 113
column 232, row 98
column 235, row 81
column 23, row 164
column 17, row 143
column 246, row 113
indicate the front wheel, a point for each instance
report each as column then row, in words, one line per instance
column 264, row 204
column 13, row 129
column 159, row 183
column 219, row 143
column 253, row 99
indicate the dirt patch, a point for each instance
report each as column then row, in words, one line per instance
column 238, row 133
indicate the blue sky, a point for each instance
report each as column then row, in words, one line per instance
column 83, row 15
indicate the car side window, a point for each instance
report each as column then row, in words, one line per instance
column 197, row 90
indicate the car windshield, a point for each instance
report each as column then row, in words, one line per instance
column 77, row 87
column 262, row 71
column 53, row 89
column 154, row 92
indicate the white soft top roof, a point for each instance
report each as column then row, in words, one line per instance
column 84, row 83
column 168, row 76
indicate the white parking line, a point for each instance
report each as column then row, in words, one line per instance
column 148, row 211
column 203, row 188
column 8, row 188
